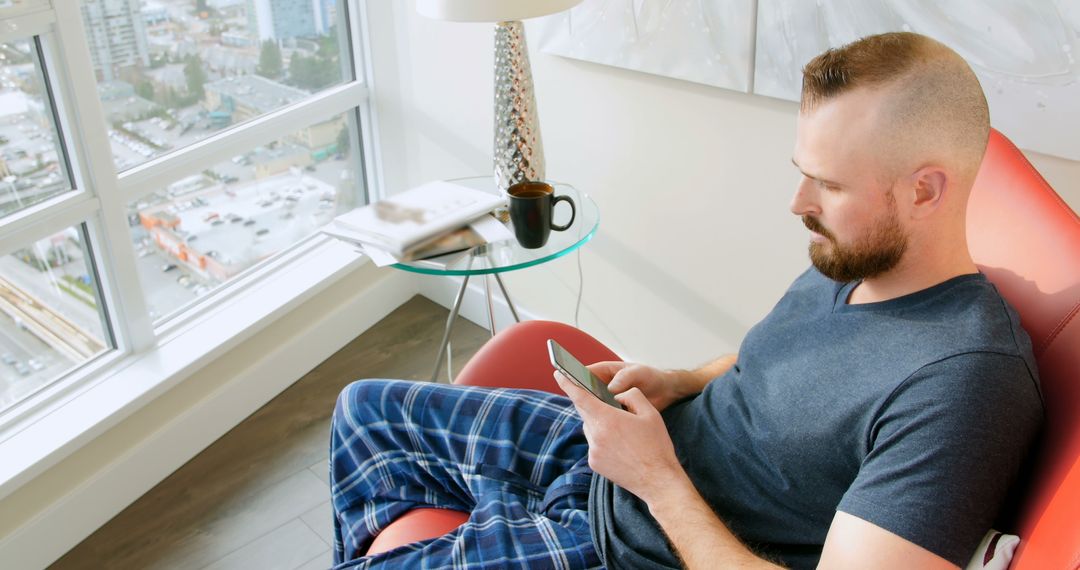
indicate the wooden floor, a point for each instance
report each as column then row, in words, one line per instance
column 258, row 497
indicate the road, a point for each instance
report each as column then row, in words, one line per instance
column 23, row 346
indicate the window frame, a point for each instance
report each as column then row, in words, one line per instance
column 101, row 195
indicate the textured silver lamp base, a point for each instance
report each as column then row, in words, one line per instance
column 519, row 150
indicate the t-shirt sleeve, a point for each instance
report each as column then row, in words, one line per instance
column 944, row 450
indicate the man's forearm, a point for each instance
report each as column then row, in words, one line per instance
column 700, row 538
column 694, row 381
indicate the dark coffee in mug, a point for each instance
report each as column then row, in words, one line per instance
column 532, row 208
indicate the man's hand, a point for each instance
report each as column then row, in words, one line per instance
column 660, row 387
column 630, row 447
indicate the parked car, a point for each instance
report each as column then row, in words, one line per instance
column 168, row 267
column 22, row 368
column 8, row 358
column 35, row 364
column 262, row 232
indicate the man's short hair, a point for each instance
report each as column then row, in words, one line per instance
column 934, row 104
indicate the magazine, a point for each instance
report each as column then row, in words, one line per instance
column 417, row 217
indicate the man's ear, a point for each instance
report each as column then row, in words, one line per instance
column 929, row 185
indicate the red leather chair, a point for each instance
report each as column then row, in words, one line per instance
column 1027, row 242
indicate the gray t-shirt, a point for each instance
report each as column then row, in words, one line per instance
column 914, row 414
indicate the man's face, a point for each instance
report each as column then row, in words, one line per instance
column 845, row 197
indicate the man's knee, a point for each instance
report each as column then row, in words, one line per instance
column 364, row 397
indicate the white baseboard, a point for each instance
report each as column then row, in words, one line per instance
column 78, row 513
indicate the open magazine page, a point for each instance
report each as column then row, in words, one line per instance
column 407, row 219
column 485, row 229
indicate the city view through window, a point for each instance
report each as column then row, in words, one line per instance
column 50, row 318
column 170, row 73
column 31, row 168
column 205, row 229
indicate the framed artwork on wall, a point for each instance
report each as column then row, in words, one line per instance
column 1026, row 53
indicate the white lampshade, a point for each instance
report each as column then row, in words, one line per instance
column 491, row 10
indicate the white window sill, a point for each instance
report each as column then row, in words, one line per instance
column 127, row 384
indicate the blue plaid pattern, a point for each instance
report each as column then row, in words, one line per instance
column 517, row 460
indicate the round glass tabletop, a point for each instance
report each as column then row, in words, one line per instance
column 508, row 255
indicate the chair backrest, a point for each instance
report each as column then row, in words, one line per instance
column 1027, row 242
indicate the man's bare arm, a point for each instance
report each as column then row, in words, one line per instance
column 692, row 382
column 700, row 538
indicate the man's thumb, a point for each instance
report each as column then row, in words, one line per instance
column 634, row 400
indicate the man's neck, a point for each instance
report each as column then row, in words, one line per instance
column 909, row 277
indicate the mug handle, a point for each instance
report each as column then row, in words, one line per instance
column 573, row 213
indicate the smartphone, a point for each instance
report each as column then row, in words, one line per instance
column 564, row 362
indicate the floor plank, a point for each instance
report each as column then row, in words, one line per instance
column 321, row 520
column 320, row 562
column 284, row 548
column 269, row 471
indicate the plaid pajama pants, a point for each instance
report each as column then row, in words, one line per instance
column 516, row 460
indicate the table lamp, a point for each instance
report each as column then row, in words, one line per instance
column 519, row 150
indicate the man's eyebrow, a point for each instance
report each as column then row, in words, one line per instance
column 812, row 177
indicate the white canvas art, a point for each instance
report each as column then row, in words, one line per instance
column 705, row 41
column 1026, row 54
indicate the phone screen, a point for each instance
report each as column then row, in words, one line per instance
column 577, row 371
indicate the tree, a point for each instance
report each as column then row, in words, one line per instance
column 145, row 89
column 196, row 77
column 269, row 60
column 343, row 145
column 313, row 73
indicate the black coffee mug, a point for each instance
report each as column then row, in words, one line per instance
column 532, row 209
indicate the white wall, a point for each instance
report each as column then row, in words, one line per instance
column 696, row 242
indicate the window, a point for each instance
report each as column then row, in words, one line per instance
column 51, row 318
column 205, row 229
column 172, row 72
column 32, row 168
column 222, row 135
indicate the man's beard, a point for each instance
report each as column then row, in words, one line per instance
column 878, row 251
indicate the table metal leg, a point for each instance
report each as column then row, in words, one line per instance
column 490, row 309
column 449, row 327
column 445, row 343
column 506, row 296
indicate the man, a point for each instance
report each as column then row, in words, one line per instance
column 874, row 419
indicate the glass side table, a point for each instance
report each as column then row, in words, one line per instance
column 493, row 258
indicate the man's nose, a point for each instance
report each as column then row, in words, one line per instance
column 804, row 202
